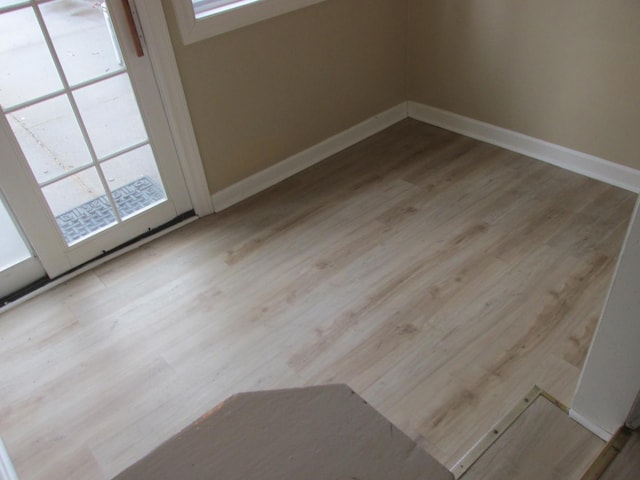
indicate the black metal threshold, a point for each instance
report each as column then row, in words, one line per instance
column 43, row 282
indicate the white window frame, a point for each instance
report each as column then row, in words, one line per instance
column 226, row 18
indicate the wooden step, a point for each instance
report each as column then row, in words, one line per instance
column 626, row 465
column 537, row 440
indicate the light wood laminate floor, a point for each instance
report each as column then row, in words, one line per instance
column 439, row 277
column 626, row 465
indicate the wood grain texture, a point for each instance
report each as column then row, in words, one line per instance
column 542, row 443
column 464, row 463
column 437, row 276
column 315, row 433
column 626, row 466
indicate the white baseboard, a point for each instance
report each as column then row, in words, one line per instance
column 592, row 427
column 7, row 471
column 572, row 160
column 300, row 161
column 578, row 162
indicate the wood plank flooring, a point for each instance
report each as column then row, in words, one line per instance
column 439, row 277
column 542, row 443
column 626, row 465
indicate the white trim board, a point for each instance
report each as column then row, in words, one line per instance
column 592, row 427
column 578, row 162
column 286, row 168
column 7, row 471
column 231, row 17
column 572, row 160
column 167, row 76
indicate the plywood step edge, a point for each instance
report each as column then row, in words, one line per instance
column 612, row 448
column 610, row 451
column 482, row 445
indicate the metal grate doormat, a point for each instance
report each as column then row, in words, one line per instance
column 97, row 214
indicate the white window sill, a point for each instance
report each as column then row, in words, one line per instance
column 230, row 17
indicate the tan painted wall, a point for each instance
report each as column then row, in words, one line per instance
column 565, row 71
column 265, row 92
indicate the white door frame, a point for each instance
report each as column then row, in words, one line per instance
column 152, row 20
column 29, row 204
column 24, row 272
column 169, row 105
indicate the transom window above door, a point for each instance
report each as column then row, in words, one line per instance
column 203, row 8
column 201, row 19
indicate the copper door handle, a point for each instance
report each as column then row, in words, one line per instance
column 137, row 44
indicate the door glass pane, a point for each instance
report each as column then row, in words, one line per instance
column 82, row 35
column 134, row 181
column 10, row 3
column 26, row 68
column 110, row 113
column 50, row 138
column 80, row 205
column 12, row 248
column 87, row 146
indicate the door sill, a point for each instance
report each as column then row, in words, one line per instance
column 46, row 284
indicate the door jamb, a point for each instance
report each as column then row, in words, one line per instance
column 163, row 62
column 633, row 420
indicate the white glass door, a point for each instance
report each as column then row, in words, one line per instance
column 88, row 160
column 18, row 266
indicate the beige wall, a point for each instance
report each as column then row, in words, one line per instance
column 265, row 92
column 566, row 71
